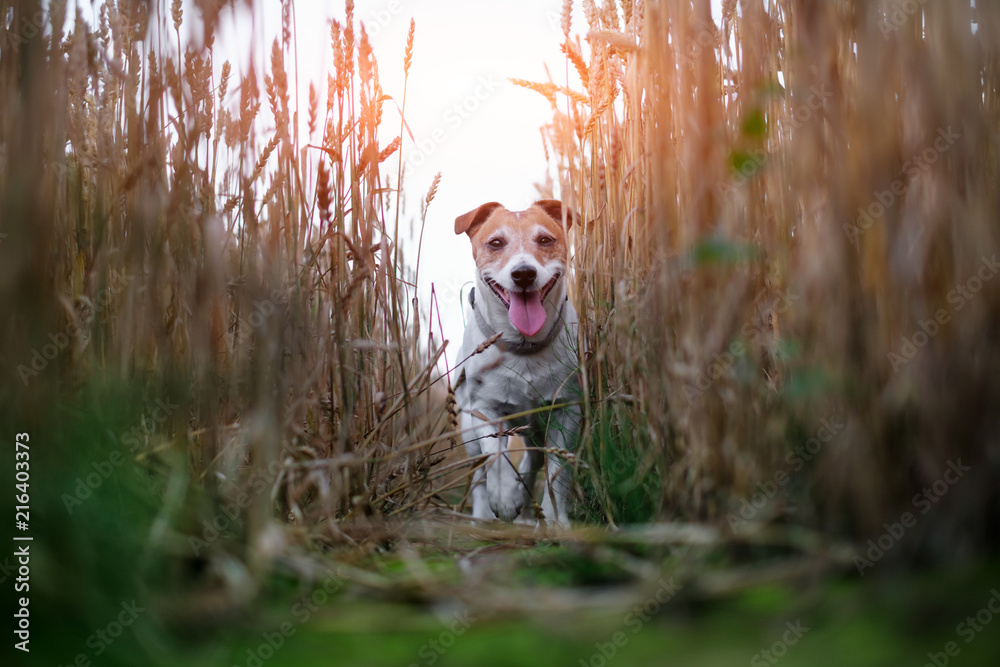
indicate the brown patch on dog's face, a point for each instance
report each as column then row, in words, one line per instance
column 504, row 234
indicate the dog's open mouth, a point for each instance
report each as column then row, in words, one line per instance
column 524, row 308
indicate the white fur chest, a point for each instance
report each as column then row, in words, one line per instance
column 499, row 382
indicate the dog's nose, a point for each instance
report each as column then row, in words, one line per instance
column 524, row 276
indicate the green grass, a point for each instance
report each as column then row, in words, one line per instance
column 849, row 623
column 621, row 482
column 122, row 543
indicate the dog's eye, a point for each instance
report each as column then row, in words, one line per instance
column 497, row 243
column 545, row 240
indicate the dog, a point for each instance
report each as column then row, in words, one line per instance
column 520, row 294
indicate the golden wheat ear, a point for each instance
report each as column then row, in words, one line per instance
column 554, row 209
column 467, row 222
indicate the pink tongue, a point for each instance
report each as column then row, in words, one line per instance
column 526, row 312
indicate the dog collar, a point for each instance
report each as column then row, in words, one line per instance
column 522, row 347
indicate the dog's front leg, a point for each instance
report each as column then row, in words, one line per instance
column 475, row 430
column 480, row 500
column 503, row 481
column 561, row 435
column 503, row 495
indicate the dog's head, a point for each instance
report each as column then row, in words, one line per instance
column 521, row 257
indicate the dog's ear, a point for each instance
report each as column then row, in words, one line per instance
column 467, row 222
column 554, row 209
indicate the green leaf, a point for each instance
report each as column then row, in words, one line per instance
column 715, row 250
column 754, row 124
column 746, row 163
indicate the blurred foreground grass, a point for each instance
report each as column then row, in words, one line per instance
column 437, row 595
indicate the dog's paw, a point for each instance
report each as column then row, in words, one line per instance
column 506, row 509
column 505, row 491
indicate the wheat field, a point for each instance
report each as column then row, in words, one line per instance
column 238, row 410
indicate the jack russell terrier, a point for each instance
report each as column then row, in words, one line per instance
column 520, row 294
